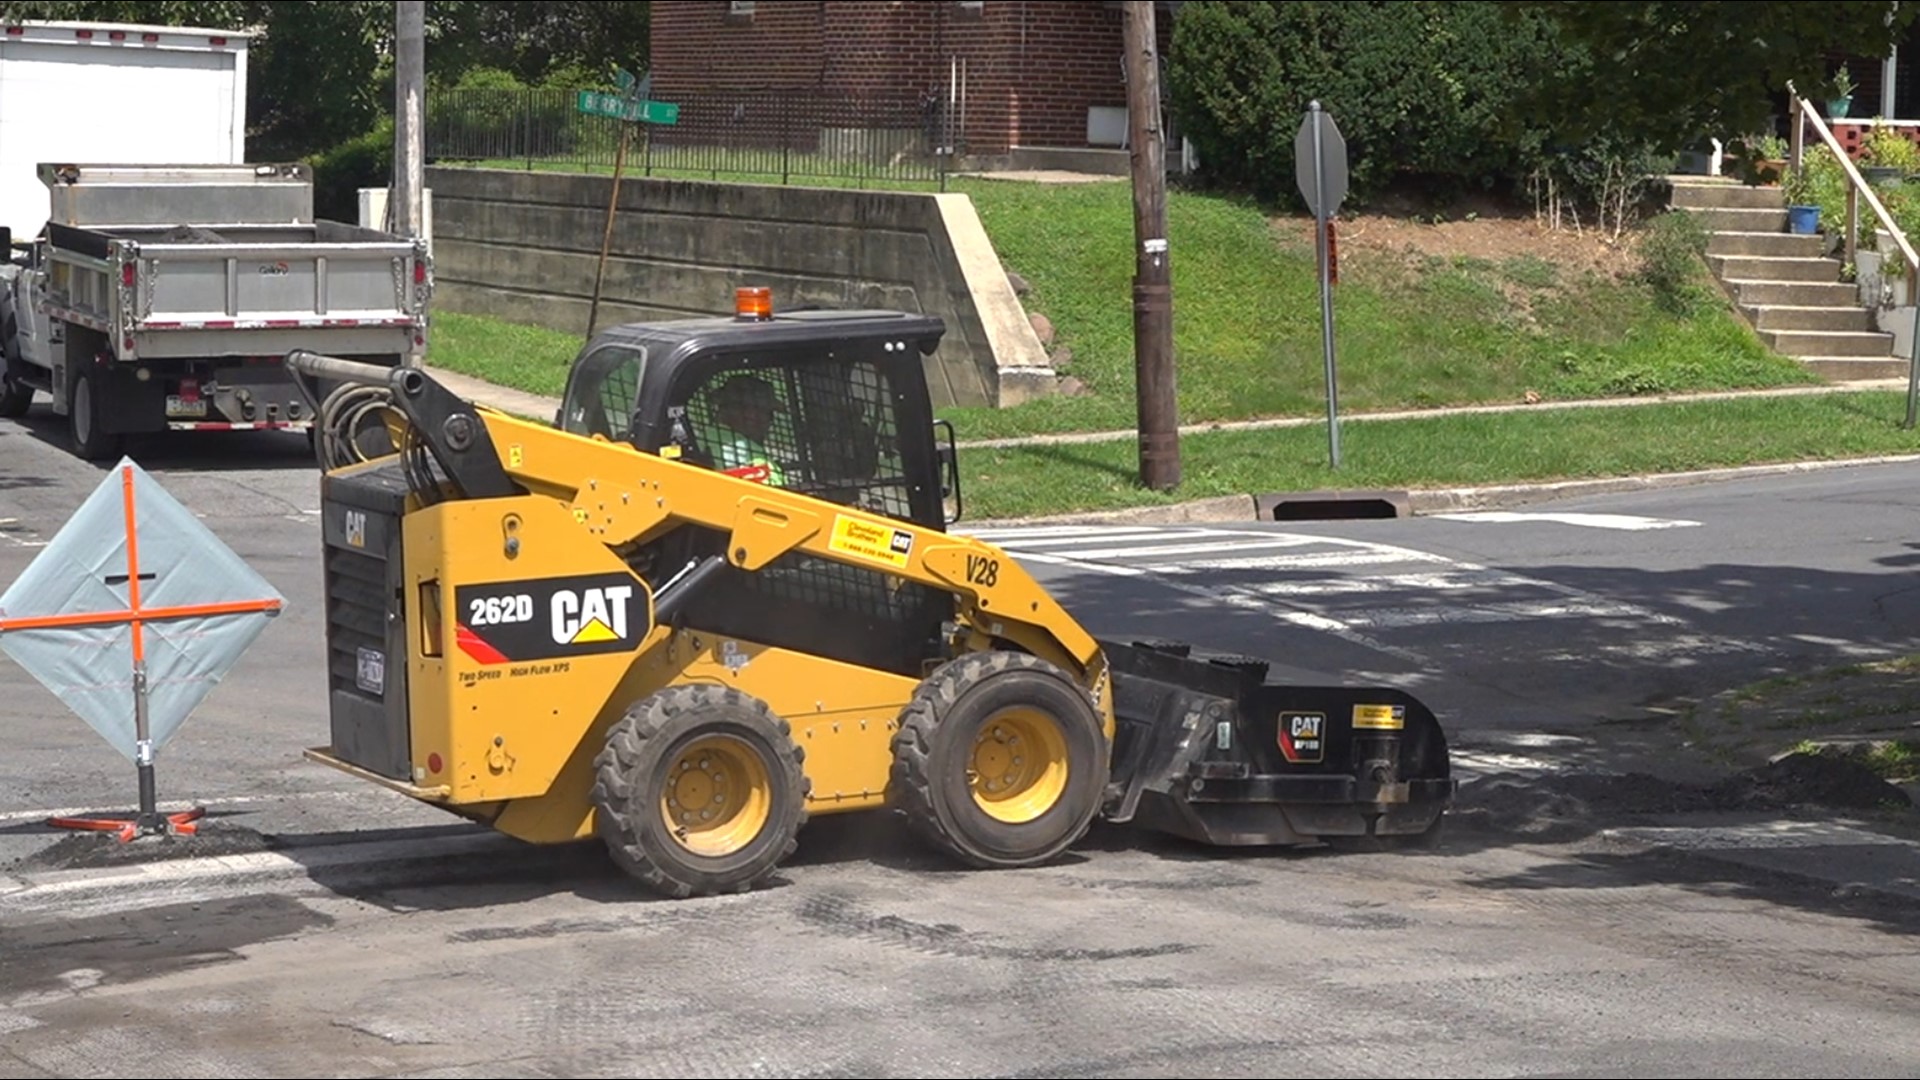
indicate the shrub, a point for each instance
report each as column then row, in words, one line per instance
column 1432, row 92
column 1416, row 87
column 1670, row 254
column 340, row 173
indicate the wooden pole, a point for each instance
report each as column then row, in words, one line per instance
column 1153, row 279
column 606, row 238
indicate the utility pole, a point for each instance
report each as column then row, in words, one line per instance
column 409, row 150
column 1153, row 278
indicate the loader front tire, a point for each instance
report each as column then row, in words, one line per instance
column 699, row 791
column 1000, row 760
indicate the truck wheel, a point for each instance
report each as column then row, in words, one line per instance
column 699, row 791
column 89, row 440
column 1000, row 760
column 16, row 397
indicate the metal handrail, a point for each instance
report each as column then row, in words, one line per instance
column 1801, row 111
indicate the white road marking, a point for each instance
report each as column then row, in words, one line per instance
column 1201, row 548
column 1174, row 556
column 1233, row 598
column 1630, row 522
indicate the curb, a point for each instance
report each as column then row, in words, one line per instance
column 1417, row 502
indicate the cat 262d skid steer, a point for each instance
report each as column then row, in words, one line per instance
column 719, row 595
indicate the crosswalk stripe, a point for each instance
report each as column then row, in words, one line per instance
column 1118, row 537
column 1303, row 561
column 1004, row 537
column 1447, row 581
column 1504, row 611
column 1130, row 551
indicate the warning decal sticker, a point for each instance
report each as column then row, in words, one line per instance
column 1380, row 717
column 877, row 542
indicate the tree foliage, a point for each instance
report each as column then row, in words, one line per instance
column 1571, row 95
column 1417, row 87
column 1672, row 73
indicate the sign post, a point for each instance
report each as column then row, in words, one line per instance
column 1320, row 166
column 629, row 106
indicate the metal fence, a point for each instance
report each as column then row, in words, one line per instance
column 788, row 135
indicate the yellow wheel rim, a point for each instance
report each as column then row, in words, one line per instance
column 717, row 796
column 1018, row 770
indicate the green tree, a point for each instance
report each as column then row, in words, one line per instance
column 1670, row 73
column 1420, row 89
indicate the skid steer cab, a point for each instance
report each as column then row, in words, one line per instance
column 718, row 596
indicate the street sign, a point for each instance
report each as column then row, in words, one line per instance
column 1320, row 165
column 1320, row 162
column 594, row 103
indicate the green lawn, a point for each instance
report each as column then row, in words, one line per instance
column 530, row 358
column 1444, row 451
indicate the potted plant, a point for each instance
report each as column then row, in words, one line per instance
column 1803, row 213
column 1842, row 99
column 1771, row 158
column 1887, row 156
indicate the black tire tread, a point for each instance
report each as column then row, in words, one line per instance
column 913, row 781
column 623, row 756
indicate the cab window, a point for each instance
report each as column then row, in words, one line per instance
column 600, row 395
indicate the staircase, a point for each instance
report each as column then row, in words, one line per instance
column 1783, row 283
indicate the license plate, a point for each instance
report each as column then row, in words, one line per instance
column 371, row 671
column 179, row 406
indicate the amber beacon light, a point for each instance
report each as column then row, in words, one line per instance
column 753, row 302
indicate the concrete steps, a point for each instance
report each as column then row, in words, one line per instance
column 1766, row 317
column 1775, row 267
column 1785, row 285
column 1828, row 342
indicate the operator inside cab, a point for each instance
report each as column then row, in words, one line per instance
column 744, row 409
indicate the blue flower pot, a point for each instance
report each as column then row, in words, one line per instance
column 1804, row 220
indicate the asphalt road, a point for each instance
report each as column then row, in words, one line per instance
column 1497, row 954
column 1529, row 627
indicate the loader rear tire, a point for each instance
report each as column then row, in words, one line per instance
column 699, row 791
column 1000, row 760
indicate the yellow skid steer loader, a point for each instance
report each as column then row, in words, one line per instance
column 718, row 595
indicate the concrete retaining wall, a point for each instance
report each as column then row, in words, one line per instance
column 524, row 246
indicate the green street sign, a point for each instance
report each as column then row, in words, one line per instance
column 593, row 103
column 625, row 79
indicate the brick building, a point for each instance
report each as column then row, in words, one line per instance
column 989, row 78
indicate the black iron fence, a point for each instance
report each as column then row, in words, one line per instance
column 782, row 135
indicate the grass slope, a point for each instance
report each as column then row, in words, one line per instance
column 1410, row 331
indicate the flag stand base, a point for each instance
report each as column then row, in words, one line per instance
column 149, row 821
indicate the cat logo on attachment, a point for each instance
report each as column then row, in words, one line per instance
column 1303, row 736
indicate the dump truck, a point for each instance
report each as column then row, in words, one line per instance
column 165, row 297
column 721, row 595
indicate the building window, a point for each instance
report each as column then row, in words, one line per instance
column 740, row 9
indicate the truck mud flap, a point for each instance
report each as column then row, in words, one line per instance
column 1209, row 749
